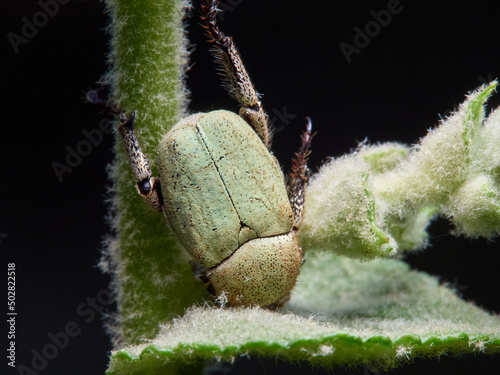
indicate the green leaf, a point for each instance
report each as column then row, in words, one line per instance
column 379, row 200
column 342, row 312
column 342, row 214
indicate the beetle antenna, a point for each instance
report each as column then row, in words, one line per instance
column 99, row 98
column 298, row 176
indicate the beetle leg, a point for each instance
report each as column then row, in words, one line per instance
column 147, row 186
column 298, row 176
column 235, row 77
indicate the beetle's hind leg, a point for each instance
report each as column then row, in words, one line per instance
column 235, row 77
column 147, row 186
column 298, row 177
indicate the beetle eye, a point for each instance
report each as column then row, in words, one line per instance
column 144, row 187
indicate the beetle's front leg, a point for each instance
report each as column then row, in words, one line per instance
column 298, row 176
column 236, row 79
column 147, row 186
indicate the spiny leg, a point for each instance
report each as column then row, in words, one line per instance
column 298, row 176
column 147, row 186
column 235, row 77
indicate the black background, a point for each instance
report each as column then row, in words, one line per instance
column 415, row 69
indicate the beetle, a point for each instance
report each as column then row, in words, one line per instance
column 222, row 192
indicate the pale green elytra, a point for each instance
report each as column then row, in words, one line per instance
column 225, row 198
column 221, row 186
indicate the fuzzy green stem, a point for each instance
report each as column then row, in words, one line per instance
column 148, row 54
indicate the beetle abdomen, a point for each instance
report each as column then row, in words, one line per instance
column 261, row 272
column 221, row 186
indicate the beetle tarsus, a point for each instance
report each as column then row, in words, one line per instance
column 235, row 77
column 147, row 186
column 299, row 176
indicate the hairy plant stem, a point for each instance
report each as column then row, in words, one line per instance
column 151, row 277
